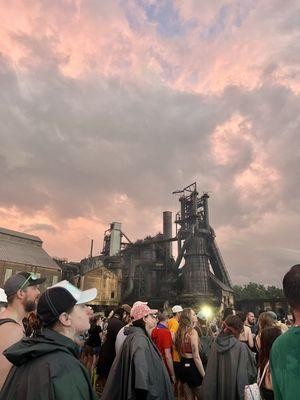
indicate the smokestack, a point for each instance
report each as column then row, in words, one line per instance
column 167, row 231
column 115, row 238
column 92, row 245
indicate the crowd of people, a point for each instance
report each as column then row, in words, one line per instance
column 55, row 346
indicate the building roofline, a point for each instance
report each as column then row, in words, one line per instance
column 21, row 235
column 28, row 264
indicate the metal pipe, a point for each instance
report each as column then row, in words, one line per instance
column 92, row 245
column 167, row 232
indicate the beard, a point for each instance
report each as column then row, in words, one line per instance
column 29, row 306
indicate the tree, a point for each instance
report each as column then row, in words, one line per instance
column 256, row 291
column 274, row 292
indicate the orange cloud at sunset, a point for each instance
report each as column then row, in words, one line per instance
column 108, row 107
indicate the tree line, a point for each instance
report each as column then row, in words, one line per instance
column 256, row 291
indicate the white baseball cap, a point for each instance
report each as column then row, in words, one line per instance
column 3, row 298
column 177, row 309
column 81, row 296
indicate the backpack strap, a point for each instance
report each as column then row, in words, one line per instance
column 260, row 379
column 4, row 320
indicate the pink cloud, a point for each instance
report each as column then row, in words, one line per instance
column 252, row 46
column 227, row 138
column 96, row 38
column 257, row 184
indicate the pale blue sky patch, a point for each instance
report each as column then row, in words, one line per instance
column 161, row 13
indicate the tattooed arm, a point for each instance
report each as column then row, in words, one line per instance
column 195, row 351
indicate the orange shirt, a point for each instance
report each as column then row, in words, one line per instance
column 173, row 325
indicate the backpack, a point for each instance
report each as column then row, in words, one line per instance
column 206, row 342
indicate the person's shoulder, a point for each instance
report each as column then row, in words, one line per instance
column 194, row 332
column 59, row 360
column 116, row 323
column 154, row 331
column 121, row 331
column 10, row 326
column 140, row 340
column 286, row 338
column 173, row 326
column 165, row 332
column 244, row 347
column 10, row 333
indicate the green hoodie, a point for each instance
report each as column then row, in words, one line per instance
column 46, row 367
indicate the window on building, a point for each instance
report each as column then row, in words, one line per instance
column 8, row 274
column 54, row 279
column 112, row 295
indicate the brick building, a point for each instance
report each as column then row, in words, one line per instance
column 91, row 272
column 23, row 252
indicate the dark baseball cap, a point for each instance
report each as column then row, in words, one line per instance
column 21, row 280
column 60, row 298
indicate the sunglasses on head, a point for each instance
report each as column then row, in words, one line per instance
column 31, row 276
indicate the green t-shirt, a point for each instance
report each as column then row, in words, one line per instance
column 285, row 365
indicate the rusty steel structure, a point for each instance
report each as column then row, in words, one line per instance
column 149, row 271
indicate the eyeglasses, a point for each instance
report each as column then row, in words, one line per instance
column 31, row 276
column 154, row 316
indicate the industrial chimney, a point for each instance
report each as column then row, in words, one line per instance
column 167, row 232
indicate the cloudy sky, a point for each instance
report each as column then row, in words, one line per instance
column 108, row 106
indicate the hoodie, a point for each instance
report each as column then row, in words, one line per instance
column 137, row 367
column 46, row 367
column 231, row 366
column 225, row 342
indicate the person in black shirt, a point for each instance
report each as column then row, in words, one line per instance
column 94, row 340
column 108, row 352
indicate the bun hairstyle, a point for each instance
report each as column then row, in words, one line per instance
column 36, row 322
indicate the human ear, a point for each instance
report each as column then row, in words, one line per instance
column 20, row 294
column 65, row 319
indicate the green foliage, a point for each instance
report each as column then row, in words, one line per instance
column 256, row 291
column 274, row 291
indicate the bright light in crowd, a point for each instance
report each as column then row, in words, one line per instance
column 207, row 311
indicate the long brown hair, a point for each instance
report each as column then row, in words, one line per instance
column 185, row 325
column 265, row 321
column 268, row 336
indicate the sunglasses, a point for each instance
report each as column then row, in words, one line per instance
column 154, row 316
column 32, row 276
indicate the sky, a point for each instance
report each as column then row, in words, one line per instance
column 107, row 107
